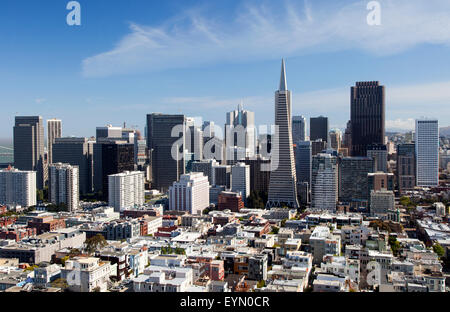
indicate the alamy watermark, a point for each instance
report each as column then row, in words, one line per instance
column 74, row 16
column 374, row 16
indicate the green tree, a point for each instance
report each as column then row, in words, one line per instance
column 95, row 242
column 275, row 230
column 395, row 245
column 60, row 283
column 439, row 250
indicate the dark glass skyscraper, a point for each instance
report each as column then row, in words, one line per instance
column 367, row 116
column 165, row 169
column 406, row 167
column 77, row 152
column 116, row 158
column 29, row 146
column 318, row 129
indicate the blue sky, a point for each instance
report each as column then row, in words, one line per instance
column 200, row 58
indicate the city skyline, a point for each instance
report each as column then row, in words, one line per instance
column 63, row 82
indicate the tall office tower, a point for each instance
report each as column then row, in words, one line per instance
column 381, row 203
column 165, row 168
column 116, row 157
column 353, row 181
column 206, row 167
column 259, row 173
column 240, row 131
column 190, row 194
column 406, row 167
column 17, row 187
column 54, row 131
column 240, row 180
column 76, row 152
column 208, row 130
column 126, row 190
column 298, row 129
column 63, row 185
column 222, row 175
column 335, row 139
column 303, row 162
column 140, row 151
column 324, row 189
column 379, row 154
column 194, row 142
column 29, row 146
column 283, row 181
column 109, row 131
column 367, row 116
column 318, row 146
column 347, row 139
column 318, row 128
column 427, row 152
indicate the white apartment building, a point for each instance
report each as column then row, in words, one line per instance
column 427, row 152
column 323, row 243
column 240, row 179
column 17, row 188
column 64, row 185
column 163, row 279
column 126, row 190
column 87, row 274
column 190, row 194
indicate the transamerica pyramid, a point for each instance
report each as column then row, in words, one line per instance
column 283, row 184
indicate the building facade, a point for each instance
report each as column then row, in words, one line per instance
column 54, row 131
column 367, row 116
column 427, row 152
column 126, row 190
column 29, row 146
column 63, row 185
column 17, row 188
column 283, row 180
column 190, row 194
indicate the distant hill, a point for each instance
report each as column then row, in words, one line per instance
column 445, row 131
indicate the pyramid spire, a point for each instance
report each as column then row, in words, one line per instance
column 283, row 82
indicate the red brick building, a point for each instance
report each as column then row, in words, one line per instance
column 231, row 201
column 17, row 234
column 46, row 224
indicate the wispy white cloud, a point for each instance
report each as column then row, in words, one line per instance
column 40, row 100
column 264, row 31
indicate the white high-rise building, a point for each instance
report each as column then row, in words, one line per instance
column 126, row 190
column 324, row 182
column 240, row 131
column 427, row 152
column 54, row 131
column 63, row 185
column 190, row 194
column 17, row 188
column 240, row 180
